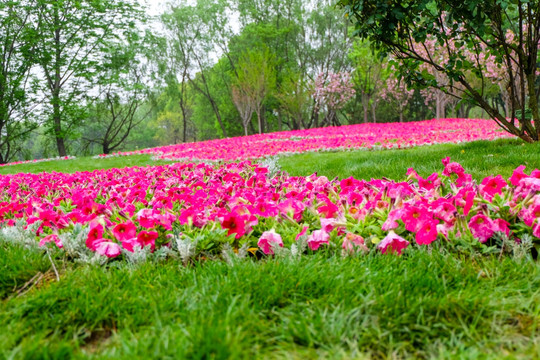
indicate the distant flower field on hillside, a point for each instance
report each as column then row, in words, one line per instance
column 362, row 136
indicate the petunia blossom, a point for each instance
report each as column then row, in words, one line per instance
column 269, row 239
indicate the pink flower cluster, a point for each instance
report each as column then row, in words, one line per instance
column 137, row 207
column 362, row 136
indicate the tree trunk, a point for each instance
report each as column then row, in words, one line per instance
column 373, row 111
column 365, row 107
column 57, row 120
column 259, row 121
column 60, row 145
column 439, row 108
column 218, row 117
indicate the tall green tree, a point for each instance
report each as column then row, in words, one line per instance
column 475, row 34
column 74, row 36
column 256, row 80
column 18, row 22
column 123, row 90
column 193, row 32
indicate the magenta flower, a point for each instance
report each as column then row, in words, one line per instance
column 354, row 243
column 430, row 183
column 146, row 218
column 51, row 238
column 302, row 233
column 536, row 229
column 95, row 233
column 267, row 239
column 391, row 221
column 235, row 224
column 517, row 175
column 492, row 185
column 392, row 243
column 452, row 167
column 317, row 238
column 146, row 238
column 414, row 217
column 108, row 248
column 125, row 231
column 427, row 233
column 482, row 227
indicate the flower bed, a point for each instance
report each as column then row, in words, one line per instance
column 363, row 136
column 199, row 210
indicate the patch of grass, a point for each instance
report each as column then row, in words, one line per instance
column 423, row 306
column 19, row 265
column 82, row 164
column 480, row 158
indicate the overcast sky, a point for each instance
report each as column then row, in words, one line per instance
column 155, row 7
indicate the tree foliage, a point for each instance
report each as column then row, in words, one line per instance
column 468, row 32
column 18, row 98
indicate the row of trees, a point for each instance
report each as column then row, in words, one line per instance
column 63, row 61
column 97, row 76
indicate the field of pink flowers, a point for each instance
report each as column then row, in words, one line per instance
column 362, row 136
column 200, row 209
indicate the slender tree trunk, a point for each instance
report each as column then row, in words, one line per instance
column 259, row 121
column 439, row 108
column 365, row 107
column 57, row 119
column 315, row 117
column 60, row 145
column 218, row 117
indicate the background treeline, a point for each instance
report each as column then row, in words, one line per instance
column 90, row 77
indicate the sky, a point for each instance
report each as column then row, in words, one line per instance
column 155, row 7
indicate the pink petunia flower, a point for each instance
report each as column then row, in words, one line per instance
column 482, row 227
column 267, row 239
column 427, row 233
column 517, row 175
column 301, row 233
column 492, row 185
column 414, row 217
column 235, row 224
column 317, row 238
column 51, row 238
column 108, row 249
column 354, row 243
column 95, row 233
column 146, row 238
column 393, row 243
column 125, row 231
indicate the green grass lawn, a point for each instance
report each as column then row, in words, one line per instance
column 81, row 164
column 427, row 304
column 480, row 158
